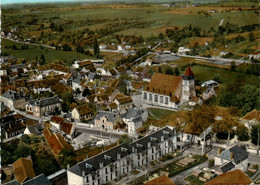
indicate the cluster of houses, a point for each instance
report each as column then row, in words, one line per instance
column 31, row 94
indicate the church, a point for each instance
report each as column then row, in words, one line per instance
column 169, row 91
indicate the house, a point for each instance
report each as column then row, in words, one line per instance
column 98, row 98
column 38, row 180
column 92, row 77
column 232, row 158
column 209, row 93
column 133, row 120
column 102, row 46
column 12, row 125
column 123, row 159
column 195, row 101
column 123, row 102
column 35, row 129
column 121, row 47
column 209, row 84
column 106, row 120
column 82, row 113
column 254, row 56
column 183, row 50
column 43, row 107
column 55, row 141
column 163, row 180
column 23, row 169
column 168, row 90
column 13, row 100
column 56, row 121
column 76, row 83
column 68, row 79
column 68, row 128
column 63, row 125
column 230, row 178
column 187, row 135
column 251, row 118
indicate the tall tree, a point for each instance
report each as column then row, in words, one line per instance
column 255, row 134
column 96, row 48
column 42, row 60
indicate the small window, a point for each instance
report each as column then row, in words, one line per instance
column 145, row 96
column 156, row 98
column 161, row 99
column 166, row 100
column 150, row 97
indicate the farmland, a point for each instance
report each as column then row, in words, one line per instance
column 146, row 20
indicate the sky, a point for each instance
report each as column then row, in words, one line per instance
column 36, row 1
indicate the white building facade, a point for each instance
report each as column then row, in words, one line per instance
column 110, row 165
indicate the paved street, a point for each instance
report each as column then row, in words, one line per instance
column 99, row 133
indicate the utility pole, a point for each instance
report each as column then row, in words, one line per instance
column 203, row 143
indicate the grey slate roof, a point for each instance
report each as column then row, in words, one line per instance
column 133, row 113
column 239, row 154
column 228, row 166
column 155, row 138
column 14, row 182
column 111, row 116
column 36, row 129
column 76, row 80
column 110, row 156
column 93, row 164
column 137, row 120
column 12, row 95
column 45, row 102
column 39, row 180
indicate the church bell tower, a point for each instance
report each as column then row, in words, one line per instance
column 188, row 86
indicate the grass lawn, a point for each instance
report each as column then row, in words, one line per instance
column 205, row 72
column 193, row 180
column 159, row 113
column 51, row 55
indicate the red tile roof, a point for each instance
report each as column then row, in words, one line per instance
column 23, row 169
column 66, row 127
column 55, row 141
column 164, row 84
column 163, row 180
column 57, row 119
column 255, row 114
column 188, row 71
column 230, row 178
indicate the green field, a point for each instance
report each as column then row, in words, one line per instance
column 146, row 20
column 159, row 113
column 51, row 55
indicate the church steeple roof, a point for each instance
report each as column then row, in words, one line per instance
column 188, row 75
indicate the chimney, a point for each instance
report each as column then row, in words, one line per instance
column 83, row 173
column 101, row 165
column 10, row 126
column 162, row 138
column 149, row 144
column 118, row 156
column 68, row 166
column 219, row 151
column 231, row 155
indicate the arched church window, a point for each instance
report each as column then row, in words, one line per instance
column 150, row 97
column 156, row 98
column 161, row 99
column 166, row 100
column 145, row 96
